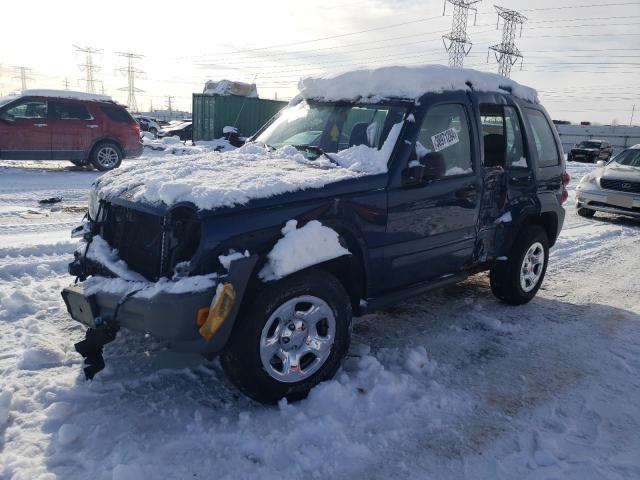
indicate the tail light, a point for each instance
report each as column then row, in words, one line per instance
column 566, row 178
column 136, row 128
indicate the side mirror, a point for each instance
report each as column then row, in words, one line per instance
column 600, row 163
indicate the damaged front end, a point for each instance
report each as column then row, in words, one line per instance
column 133, row 272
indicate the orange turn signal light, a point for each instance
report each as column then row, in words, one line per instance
column 201, row 316
column 219, row 310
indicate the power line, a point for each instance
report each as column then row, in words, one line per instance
column 23, row 75
column 88, row 67
column 506, row 53
column 131, row 73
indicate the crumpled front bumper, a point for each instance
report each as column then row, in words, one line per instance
column 166, row 316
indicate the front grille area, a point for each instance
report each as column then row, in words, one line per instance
column 138, row 237
column 152, row 245
column 620, row 185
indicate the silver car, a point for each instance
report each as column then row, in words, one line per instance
column 612, row 188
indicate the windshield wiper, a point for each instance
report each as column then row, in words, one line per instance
column 318, row 150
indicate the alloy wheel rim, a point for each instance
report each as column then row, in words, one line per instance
column 107, row 157
column 297, row 339
column 532, row 267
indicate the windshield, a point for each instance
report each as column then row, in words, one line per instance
column 589, row 145
column 629, row 157
column 5, row 100
column 320, row 128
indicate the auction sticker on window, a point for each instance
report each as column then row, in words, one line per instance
column 445, row 139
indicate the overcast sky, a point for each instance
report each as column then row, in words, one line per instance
column 584, row 61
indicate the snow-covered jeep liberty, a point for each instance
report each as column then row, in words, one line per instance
column 370, row 187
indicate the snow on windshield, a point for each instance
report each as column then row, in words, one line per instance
column 407, row 82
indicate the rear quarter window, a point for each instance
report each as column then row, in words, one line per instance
column 117, row 114
column 543, row 139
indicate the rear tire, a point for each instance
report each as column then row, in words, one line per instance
column 311, row 312
column 517, row 280
column 586, row 212
column 106, row 156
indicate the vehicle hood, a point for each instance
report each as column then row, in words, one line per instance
column 216, row 180
column 620, row 172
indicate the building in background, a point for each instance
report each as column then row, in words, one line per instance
column 619, row 136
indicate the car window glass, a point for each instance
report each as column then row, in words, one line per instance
column 444, row 139
column 515, row 147
column 629, row 157
column 117, row 114
column 28, row 109
column 502, row 137
column 363, row 126
column 544, row 140
column 70, row 111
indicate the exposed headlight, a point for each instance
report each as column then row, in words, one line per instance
column 94, row 204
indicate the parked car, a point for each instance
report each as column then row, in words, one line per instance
column 591, row 151
column 339, row 206
column 612, row 188
column 63, row 125
column 182, row 130
column 148, row 124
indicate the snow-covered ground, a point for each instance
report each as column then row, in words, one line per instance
column 449, row 385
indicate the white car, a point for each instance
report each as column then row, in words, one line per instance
column 147, row 124
column 612, row 188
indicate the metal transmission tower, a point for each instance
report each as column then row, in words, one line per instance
column 507, row 54
column 132, row 73
column 23, row 76
column 457, row 42
column 88, row 67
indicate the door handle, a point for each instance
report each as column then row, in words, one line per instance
column 39, row 125
column 93, row 126
column 520, row 181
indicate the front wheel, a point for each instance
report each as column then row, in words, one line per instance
column 106, row 156
column 517, row 280
column 586, row 212
column 292, row 336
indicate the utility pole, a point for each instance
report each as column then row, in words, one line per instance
column 88, row 67
column 151, row 105
column 66, row 83
column 102, row 90
column 633, row 111
column 457, row 42
column 507, row 54
column 131, row 73
column 23, row 76
column 169, row 106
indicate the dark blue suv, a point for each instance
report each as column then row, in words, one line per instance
column 356, row 196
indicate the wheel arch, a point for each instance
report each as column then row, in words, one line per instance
column 105, row 140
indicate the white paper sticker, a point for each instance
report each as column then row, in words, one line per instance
column 445, row 139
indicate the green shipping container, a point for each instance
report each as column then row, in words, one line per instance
column 211, row 113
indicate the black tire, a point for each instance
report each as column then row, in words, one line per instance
column 586, row 212
column 114, row 153
column 241, row 359
column 153, row 131
column 79, row 163
column 505, row 275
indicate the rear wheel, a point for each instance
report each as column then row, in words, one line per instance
column 106, row 156
column 517, row 280
column 291, row 337
column 586, row 212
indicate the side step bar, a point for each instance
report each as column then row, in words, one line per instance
column 396, row 296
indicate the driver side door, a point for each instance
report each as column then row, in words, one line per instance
column 432, row 226
column 25, row 133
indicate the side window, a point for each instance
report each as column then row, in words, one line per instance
column 28, row 109
column 70, row 111
column 502, row 137
column 444, row 141
column 544, row 140
column 363, row 126
column 117, row 114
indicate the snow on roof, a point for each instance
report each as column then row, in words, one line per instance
column 407, row 82
column 65, row 94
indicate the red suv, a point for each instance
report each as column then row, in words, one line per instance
column 63, row 125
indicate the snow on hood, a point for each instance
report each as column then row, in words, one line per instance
column 213, row 179
column 407, row 82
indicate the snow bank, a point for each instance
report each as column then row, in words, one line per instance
column 215, row 179
column 66, row 94
column 301, row 248
column 174, row 146
column 406, row 82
